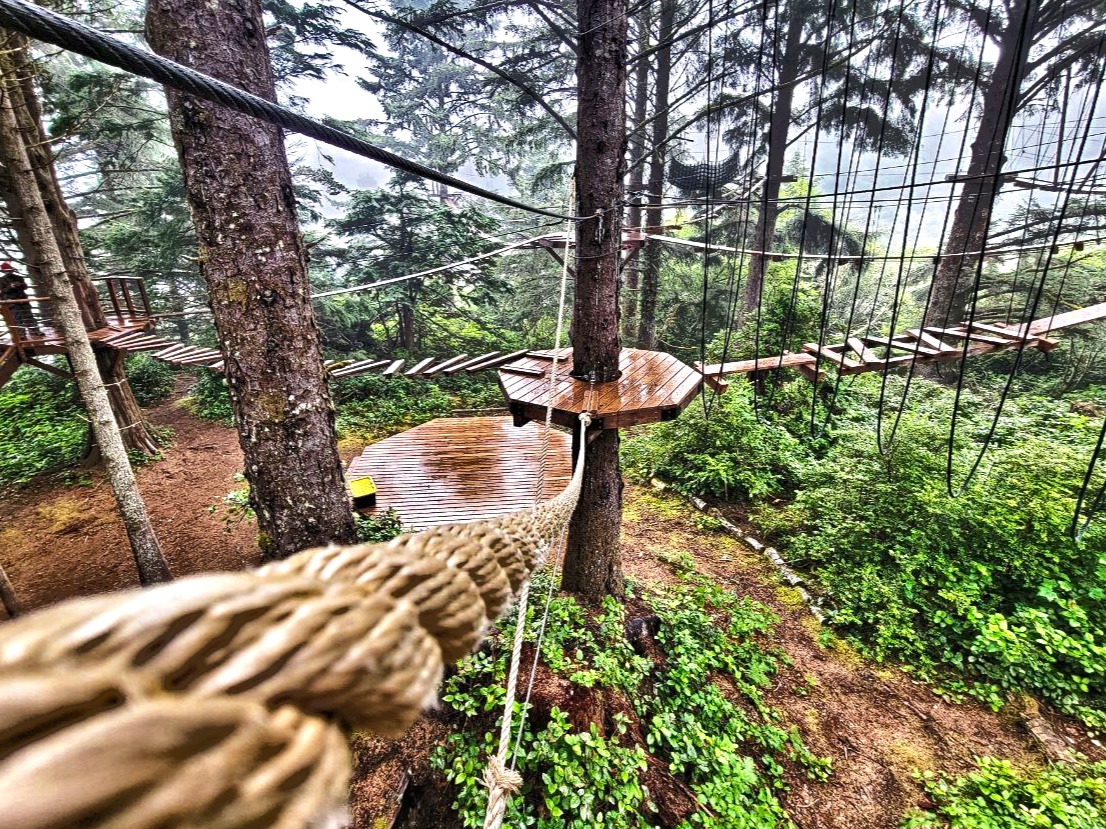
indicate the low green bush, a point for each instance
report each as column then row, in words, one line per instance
column 729, row 452
column 151, row 380
column 999, row 796
column 988, row 582
column 42, row 426
column 373, row 406
column 210, row 398
column 701, row 712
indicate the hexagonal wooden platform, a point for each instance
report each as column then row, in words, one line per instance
column 654, row 386
column 462, row 469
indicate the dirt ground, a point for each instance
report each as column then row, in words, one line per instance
column 57, row 542
column 878, row 726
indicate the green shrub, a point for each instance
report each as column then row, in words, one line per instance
column 151, row 380
column 372, row 529
column 999, row 796
column 730, row 753
column 209, row 398
column 42, row 426
column 988, row 582
column 729, row 452
column 372, row 406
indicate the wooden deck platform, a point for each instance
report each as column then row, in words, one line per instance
column 654, row 386
column 462, row 469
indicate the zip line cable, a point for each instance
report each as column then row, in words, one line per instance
column 58, row 30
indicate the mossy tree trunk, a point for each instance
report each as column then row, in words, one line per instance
column 253, row 261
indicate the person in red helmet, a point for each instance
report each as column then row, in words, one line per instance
column 13, row 286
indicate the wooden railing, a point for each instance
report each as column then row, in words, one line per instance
column 127, row 297
column 23, row 332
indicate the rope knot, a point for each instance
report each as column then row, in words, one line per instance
column 497, row 777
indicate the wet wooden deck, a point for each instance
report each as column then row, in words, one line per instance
column 462, row 469
column 654, row 386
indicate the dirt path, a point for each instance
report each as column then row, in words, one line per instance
column 878, row 725
column 59, row 542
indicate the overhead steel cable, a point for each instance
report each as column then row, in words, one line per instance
column 59, row 30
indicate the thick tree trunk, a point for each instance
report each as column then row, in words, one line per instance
column 764, row 234
column 253, row 260
column 592, row 566
column 954, row 278
column 13, row 156
column 137, row 434
column 654, row 215
column 632, row 280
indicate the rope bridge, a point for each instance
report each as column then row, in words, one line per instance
column 225, row 700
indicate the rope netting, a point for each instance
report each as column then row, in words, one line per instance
column 225, row 700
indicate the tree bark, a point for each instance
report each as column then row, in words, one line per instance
column 954, row 278
column 654, row 215
column 253, row 260
column 765, row 233
column 137, row 434
column 592, row 566
column 632, row 279
column 14, row 157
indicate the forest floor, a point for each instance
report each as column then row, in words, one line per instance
column 878, row 725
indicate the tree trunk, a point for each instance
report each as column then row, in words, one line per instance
column 954, row 278
column 253, row 260
column 407, row 327
column 8, row 598
column 765, row 233
column 13, row 156
column 637, row 173
column 137, row 434
column 592, row 566
column 654, row 215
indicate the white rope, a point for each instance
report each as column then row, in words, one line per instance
column 502, row 781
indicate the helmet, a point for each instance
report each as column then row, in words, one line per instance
column 6, row 266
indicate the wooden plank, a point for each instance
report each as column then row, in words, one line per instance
column 419, row 366
column 496, row 362
column 785, row 360
column 525, row 370
column 170, row 351
column 1005, row 333
column 929, row 340
column 901, row 344
column 862, row 351
column 472, row 361
column 1081, row 316
column 964, row 334
column 359, row 367
column 452, row 361
column 828, row 353
column 393, row 368
column 200, row 359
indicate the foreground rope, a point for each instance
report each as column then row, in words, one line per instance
column 224, row 700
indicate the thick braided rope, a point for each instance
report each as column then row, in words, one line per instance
column 339, row 638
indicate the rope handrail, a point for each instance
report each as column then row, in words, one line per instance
column 224, row 700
